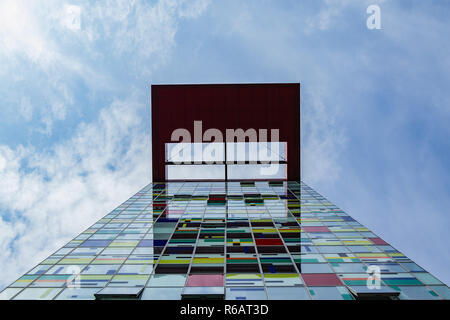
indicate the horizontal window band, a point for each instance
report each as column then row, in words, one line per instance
column 225, row 162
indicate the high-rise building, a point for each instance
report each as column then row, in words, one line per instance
column 219, row 222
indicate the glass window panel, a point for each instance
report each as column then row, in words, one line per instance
column 332, row 249
column 118, row 293
column 369, row 293
column 136, row 269
column 349, row 267
column 282, row 279
column 100, row 269
column 129, row 280
column 257, row 171
column 443, row 291
column 315, row 268
column 142, row 259
column 117, row 250
column 287, row 293
column 363, row 249
column 24, row 280
column 399, row 279
column 202, row 292
column 65, row 269
column 195, row 172
column 109, row 259
column 91, row 280
column 205, row 280
column 330, row 293
column 244, row 279
column 412, row 267
column 40, row 269
column 8, row 293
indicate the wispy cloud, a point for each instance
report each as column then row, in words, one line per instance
column 60, row 60
column 60, row 192
column 374, row 107
column 26, row 109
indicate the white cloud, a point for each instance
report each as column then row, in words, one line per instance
column 71, row 18
column 26, row 109
column 61, row 43
column 48, row 196
column 332, row 13
column 193, row 9
column 326, row 17
column 323, row 140
column 323, row 144
column 59, row 193
column 138, row 29
column 20, row 31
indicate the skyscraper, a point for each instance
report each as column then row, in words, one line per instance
column 227, row 218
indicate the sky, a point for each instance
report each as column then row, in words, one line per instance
column 75, row 113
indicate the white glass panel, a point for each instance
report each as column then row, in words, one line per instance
column 195, row 172
column 180, row 153
column 257, row 171
column 256, row 151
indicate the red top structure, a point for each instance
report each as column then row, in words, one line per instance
column 226, row 106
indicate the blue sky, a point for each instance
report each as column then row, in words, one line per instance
column 75, row 108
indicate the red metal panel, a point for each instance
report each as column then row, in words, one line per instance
column 269, row 242
column 226, row 106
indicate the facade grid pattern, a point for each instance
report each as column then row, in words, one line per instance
column 240, row 240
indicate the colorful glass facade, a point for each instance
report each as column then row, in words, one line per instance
column 237, row 240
